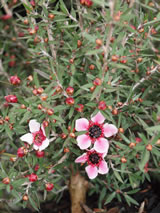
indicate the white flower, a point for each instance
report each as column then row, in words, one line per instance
column 37, row 137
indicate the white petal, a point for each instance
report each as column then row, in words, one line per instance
column 35, row 147
column 27, row 138
column 44, row 144
column 34, row 126
column 43, row 130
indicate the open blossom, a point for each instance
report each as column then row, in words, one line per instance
column 37, row 137
column 96, row 130
column 95, row 161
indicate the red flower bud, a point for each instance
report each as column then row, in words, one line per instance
column 138, row 140
column 21, row 152
column 11, row 98
column 88, row 3
column 49, row 186
column 102, row 105
column 15, row 80
column 36, row 167
column 6, row 17
column 70, row 90
column 70, row 101
column 6, row 180
column 97, row 82
column 32, row 2
column 80, row 108
column 12, row 63
column 40, row 154
column 32, row 177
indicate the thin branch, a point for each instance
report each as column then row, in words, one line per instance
column 145, row 78
column 106, row 47
column 6, row 8
column 51, row 45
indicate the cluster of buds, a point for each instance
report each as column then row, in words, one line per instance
column 48, row 111
column 71, row 134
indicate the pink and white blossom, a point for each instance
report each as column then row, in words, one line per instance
column 95, row 161
column 37, row 136
column 96, row 131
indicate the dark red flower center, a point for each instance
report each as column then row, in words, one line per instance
column 39, row 137
column 95, row 131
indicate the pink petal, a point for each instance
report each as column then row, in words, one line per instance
column 27, row 138
column 103, row 168
column 34, row 126
column 101, row 145
column 82, row 124
column 92, row 171
column 109, row 130
column 98, row 118
column 83, row 141
column 44, row 144
column 81, row 159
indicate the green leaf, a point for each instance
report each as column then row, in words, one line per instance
column 130, row 200
column 144, row 159
column 154, row 128
column 117, row 175
column 63, row 7
column 8, row 131
column 33, row 204
column 110, row 198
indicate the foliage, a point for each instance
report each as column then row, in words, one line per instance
column 50, row 46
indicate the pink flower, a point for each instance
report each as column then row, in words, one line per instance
column 95, row 161
column 37, row 137
column 96, row 131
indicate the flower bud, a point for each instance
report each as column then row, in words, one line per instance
column 149, row 147
column 6, row 180
column 40, row 154
column 25, row 197
column 80, row 108
column 32, row 177
column 99, row 42
column 70, row 101
column 15, row 80
column 97, row 82
column 123, row 160
column 102, row 105
column 49, row 186
column 70, row 90
column 51, row 16
column 11, row 98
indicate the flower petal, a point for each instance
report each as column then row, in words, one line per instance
column 83, row 141
column 35, row 147
column 27, row 138
column 92, row 171
column 81, row 159
column 81, row 124
column 103, row 168
column 44, row 144
column 43, row 130
column 101, row 145
column 109, row 130
column 34, row 126
column 98, row 118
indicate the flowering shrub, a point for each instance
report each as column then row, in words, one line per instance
column 84, row 76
